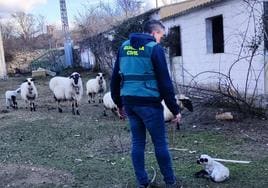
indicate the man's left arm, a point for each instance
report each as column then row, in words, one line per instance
column 164, row 82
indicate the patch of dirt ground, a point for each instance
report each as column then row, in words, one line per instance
column 13, row 175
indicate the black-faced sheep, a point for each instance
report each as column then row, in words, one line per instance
column 29, row 93
column 183, row 102
column 11, row 96
column 67, row 88
column 96, row 86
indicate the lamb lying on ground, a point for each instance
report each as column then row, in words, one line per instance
column 11, row 96
column 96, row 86
column 29, row 93
column 213, row 170
column 67, row 88
column 183, row 102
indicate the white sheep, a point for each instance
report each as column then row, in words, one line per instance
column 96, row 86
column 109, row 104
column 67, row 88
column 182, row 101
column 212, row 169
column 11, row 98
column 29, row 93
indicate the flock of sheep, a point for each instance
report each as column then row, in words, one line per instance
column 71, row 89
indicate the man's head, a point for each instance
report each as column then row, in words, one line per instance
column 154, row 28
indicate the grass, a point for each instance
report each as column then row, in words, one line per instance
column 50, row 144
column 93, row 151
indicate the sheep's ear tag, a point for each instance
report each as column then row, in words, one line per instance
column 206, row 160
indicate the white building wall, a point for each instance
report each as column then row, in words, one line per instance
column 195, row 58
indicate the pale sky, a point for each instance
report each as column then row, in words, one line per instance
column 48, row 8
column 51, row 8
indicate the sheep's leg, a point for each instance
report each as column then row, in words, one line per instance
column 76, row 108
column 73, row 108
column 93, row 97
column 202, row 174
column 31, row 105
column 104, row 112
column 34, row 109
column 15, row 105
column 100, row 98
column 59, row 108
column 8, row 103
column 89, row 97
column 13, row 101
column 26, row 102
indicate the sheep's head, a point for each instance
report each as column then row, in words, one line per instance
column 184, row 102
column 100, row 77
column 204, row 160
column 29, row 81
column 75, row 78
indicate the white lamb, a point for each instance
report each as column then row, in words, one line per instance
column 212, row 169
column 109, row 104
column 11, row 96
column 183, row 102
column 96, row 86
column 67, row 88
column 29, row 93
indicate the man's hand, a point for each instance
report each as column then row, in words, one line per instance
column 122, row 113
column 177, row 119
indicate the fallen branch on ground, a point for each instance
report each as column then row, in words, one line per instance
column 177, row 149
column 154, row 176
column 231, row 161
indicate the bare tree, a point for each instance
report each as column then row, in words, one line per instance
column 95, row 19
column 28, row 25
column 103, row 16
column 129, row 7
column 8, row 30
column 41, row 22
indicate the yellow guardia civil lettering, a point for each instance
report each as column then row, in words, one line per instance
column 134, row 53
column 141, row 48
column 128, row 47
